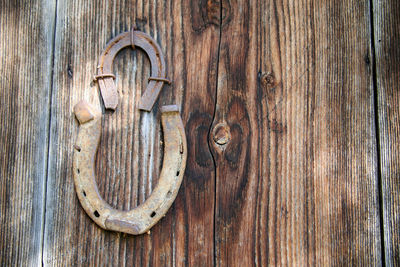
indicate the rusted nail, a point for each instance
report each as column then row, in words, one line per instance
column 101, row 76
column 159, row 79
column 181, row 148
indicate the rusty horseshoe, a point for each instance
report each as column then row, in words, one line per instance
column 140, row 219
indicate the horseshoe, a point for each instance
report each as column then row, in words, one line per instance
column 140, row 219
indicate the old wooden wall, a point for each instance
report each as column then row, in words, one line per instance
column 291, row 114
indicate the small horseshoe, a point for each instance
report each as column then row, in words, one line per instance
column 140, row 219
column 105, row 77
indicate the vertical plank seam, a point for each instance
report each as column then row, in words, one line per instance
column 377, row 130
column 47, row 157
column 209, row 137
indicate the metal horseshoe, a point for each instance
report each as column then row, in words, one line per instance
column 140, row 219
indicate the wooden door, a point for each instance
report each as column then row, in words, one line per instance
column 292, row 121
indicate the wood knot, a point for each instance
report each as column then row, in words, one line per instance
column 213, row 11
column 268, row 80
column 221, row 134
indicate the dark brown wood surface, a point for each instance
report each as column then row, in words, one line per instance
column 297, row 183
column 291, row 116
column 386, row 41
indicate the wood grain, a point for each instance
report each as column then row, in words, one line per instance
column 277, row 99
column 129, row 159
column 297, row 183
column 386, row 41
column 26, row 37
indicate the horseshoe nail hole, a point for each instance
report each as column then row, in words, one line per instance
column 79, row 171
column 169, row 193
column 77, row 148
column 84, row 193
column 96, row 213
column 177, row 173
column 153, row 214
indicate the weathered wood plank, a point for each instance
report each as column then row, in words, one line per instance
column 387, row 40
column 129, row 158
column 297, row 182
column 26, row 38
